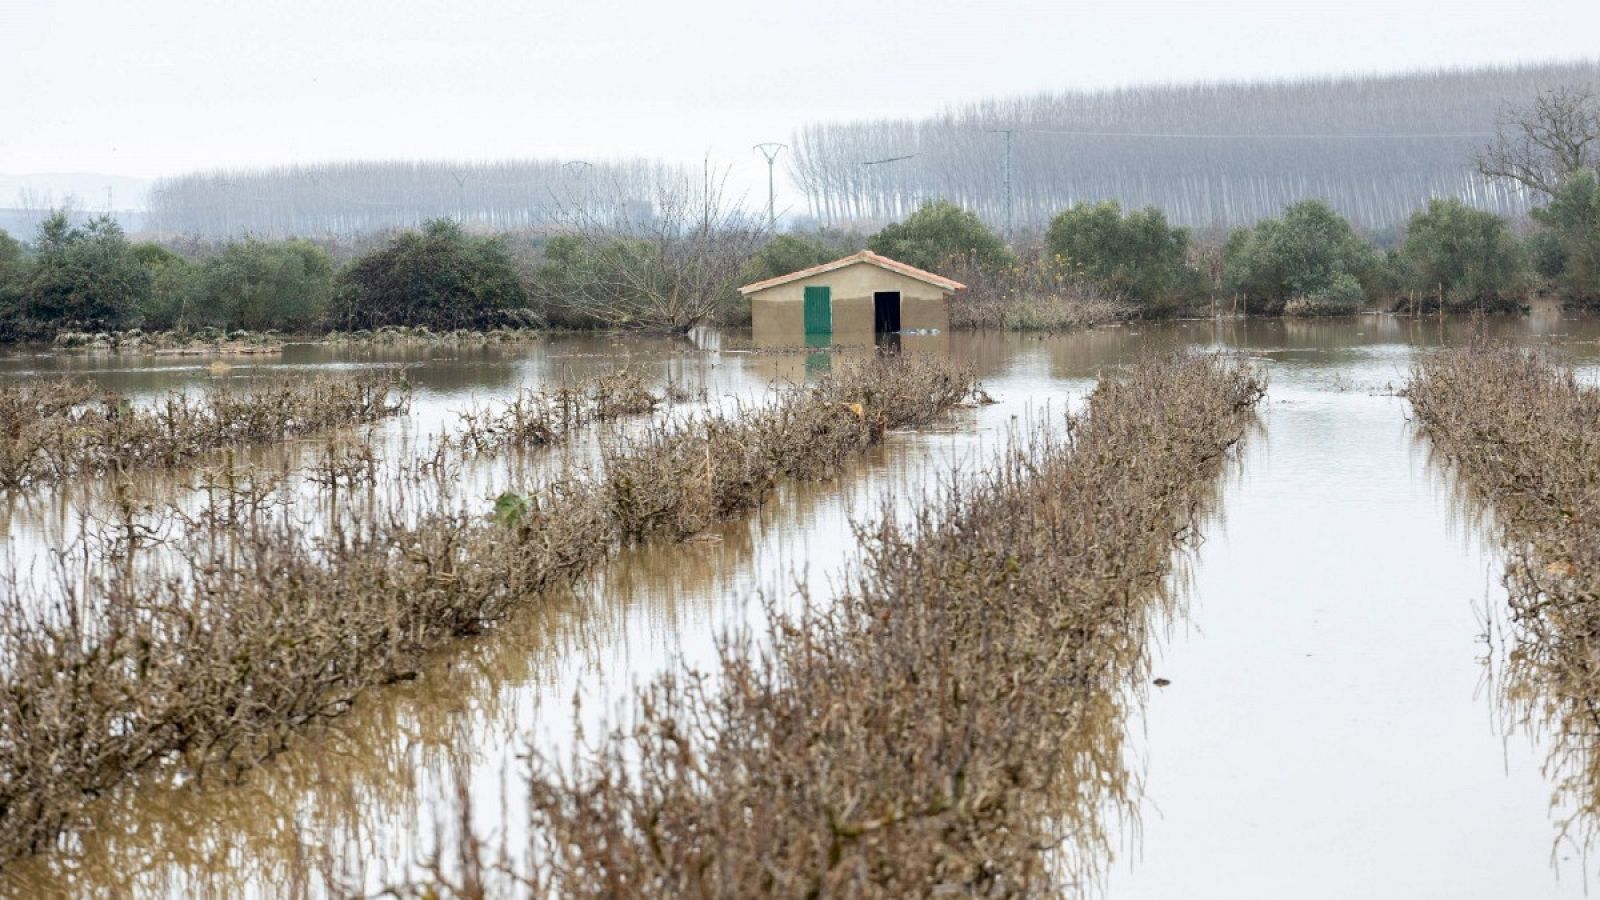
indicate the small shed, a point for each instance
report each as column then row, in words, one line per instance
column 849, row 299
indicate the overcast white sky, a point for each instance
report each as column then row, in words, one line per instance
column 151, row 87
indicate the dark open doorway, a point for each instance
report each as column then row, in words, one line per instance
column 886, row 312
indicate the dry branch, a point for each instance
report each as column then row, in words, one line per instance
column 50, row 430
column 952, row 721
column 212, row 661
column 1521, row 431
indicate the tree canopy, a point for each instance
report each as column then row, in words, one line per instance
column 1135, row 256
column 1461, row 255
column 440, row 277
column 1573, row 219
column 84, row 277
column 1310, row 255
column 937, row 234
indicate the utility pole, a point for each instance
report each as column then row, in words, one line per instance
column 770, row 150
column 1008, row 132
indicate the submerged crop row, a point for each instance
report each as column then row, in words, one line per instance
column 250, row 626
column 941, row 728
column 536, row 418
column 1522, row 432
column 55, row 429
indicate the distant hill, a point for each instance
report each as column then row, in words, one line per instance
column 1377, row 147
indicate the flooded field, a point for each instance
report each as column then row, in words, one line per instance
column 1327, row 719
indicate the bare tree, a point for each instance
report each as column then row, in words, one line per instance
column 355, row 198
column 664, row 266
column 1544, row 143
column 1376, row 147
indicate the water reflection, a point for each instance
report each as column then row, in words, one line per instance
column 1372, row 748
column 1539, row 674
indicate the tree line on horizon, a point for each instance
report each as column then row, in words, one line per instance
column 674, row 263
column 1207, row 154
column 353, row 198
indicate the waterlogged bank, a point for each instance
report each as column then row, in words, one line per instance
column 1304, row 763
column 934, row 729
column 253, row 626
column 1521, row 431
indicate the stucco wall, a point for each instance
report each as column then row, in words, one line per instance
column 777, row 314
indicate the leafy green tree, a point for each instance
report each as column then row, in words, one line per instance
column 789, row 253
column 85, row 278
column 1573, row 217
column 1302, row 255
column 14, row 272
column 173, row 290
column 558, row 281
column 783, row 254
column 262, row 285
column 937, row 234
column 1135, row 256
column 1461, row 256
column 1546, row 254
column 440, row 277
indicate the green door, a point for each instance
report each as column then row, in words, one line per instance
column 819, row 310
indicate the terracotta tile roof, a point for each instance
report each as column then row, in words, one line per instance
column 865, row 256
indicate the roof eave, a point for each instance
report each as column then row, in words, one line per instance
column 865, row 256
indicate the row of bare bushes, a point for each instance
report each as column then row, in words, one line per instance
column 540, row 417
column 52, row 429
column 247, row 625
column 1524, row 435
column 950, row 724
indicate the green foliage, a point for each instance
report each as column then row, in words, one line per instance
column 259, row 285
column 937, row 234
column 788, row 253
column 783, row 254
column 559, row 280
column 1302, row 255
column 14, row 275
column 13, row 270
column 1546, row 254
column 84, row 278
column 440, row 277
column 510, row 507
column 1340, row 296
column 1135, row 256
column 1463, row 255
column 1573, row 217
column 173, row 289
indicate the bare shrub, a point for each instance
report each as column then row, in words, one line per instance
column 536, row 418
column 677, row 481
column 1030, row 295
column 1520, row 430
column 943, row 727
column 53, row 430
column 251, row 626
column 663, row 266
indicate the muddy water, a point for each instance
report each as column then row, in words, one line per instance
column 1328, row 728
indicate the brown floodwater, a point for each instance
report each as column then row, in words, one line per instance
column 1332, row 725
